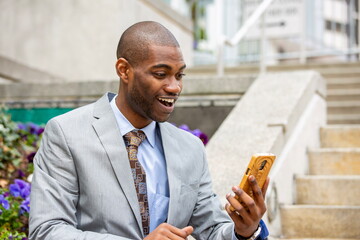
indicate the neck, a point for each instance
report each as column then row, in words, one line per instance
column 135, row 119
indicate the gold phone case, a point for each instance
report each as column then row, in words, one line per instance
column 259, row 166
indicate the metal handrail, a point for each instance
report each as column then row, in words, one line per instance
column 240, row 34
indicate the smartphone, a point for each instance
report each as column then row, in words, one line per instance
column 259, row 166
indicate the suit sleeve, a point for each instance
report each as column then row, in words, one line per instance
column 209, row 220
column 54, row 191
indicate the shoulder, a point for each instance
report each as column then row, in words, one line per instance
column 74, row 116
column 86, row 113
column 182, row 136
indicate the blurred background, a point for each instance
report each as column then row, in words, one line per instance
column 66, row 44
column 279, row 76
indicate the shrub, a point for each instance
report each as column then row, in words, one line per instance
column 18, row 145
column 14, row 210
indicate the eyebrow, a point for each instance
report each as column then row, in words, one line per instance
column 167, row 66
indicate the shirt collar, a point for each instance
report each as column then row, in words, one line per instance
column 125, row 126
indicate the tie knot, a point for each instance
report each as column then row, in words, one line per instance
column 134, row 138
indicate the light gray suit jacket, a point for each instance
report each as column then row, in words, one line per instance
column 83, row 187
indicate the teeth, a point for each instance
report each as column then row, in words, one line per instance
column 167, row 100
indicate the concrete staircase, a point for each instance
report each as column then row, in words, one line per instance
column 343, row 97
column 328, row 199
column 343, row 85
column 327, row 202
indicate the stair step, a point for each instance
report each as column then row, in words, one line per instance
column 343, row 80
column 328, row 190
column 343, row 119
column 332, row 70
column 314, row 221
column 340, row 73
column 343, row 94
column 343, row 104
column 344, row 91
column 343, row 107
column 343, row 83
column 340, row 136
column 335, row 161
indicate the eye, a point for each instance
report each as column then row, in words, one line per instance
column 179, row 76
column 159, row 75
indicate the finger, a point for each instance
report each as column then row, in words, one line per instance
column 188, row 230
column 182, row 233
column 232, row 198
column 234, row 215
column 171, row 232
column 258, row 207
column 265, row 187
column 256, row 191
column 241, row 204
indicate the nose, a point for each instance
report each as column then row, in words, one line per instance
column 173, row 86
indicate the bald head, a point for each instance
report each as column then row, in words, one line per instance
column 135, row 41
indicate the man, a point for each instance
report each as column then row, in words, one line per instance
column 115, row 169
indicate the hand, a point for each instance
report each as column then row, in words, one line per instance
column 248, row 212
column 167, row 231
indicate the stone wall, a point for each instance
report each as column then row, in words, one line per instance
column 77, row 40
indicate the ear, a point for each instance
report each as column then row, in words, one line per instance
column 123, row 69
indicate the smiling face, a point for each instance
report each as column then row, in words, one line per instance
column 150, row 89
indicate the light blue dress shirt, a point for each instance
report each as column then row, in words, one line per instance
column 151, row 157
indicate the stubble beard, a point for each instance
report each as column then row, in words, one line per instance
column 142, row 106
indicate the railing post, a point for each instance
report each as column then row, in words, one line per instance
column 220, row 39
column 303, row 35
column 262, row 47
column 220, row 57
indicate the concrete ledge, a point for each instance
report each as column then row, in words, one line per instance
column 260, row 122
column 280, row 113
column 204, row 102
column 231, row 84
column 207, row 90
column 56, row 91
column 16, row 72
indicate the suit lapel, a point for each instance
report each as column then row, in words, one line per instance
column 173, row 159
column 108, row 132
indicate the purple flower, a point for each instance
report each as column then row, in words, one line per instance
column 33, row 128
column 185, row 127
column 25, row 206
column 22, row 126
column 204, row 138
column 21, row 173
column 4, row 202
column 20, row 189
column 40, row 131
column 30, row 157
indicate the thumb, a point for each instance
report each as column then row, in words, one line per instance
column 188, row 230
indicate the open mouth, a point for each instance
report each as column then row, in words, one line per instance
column 168, row 102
